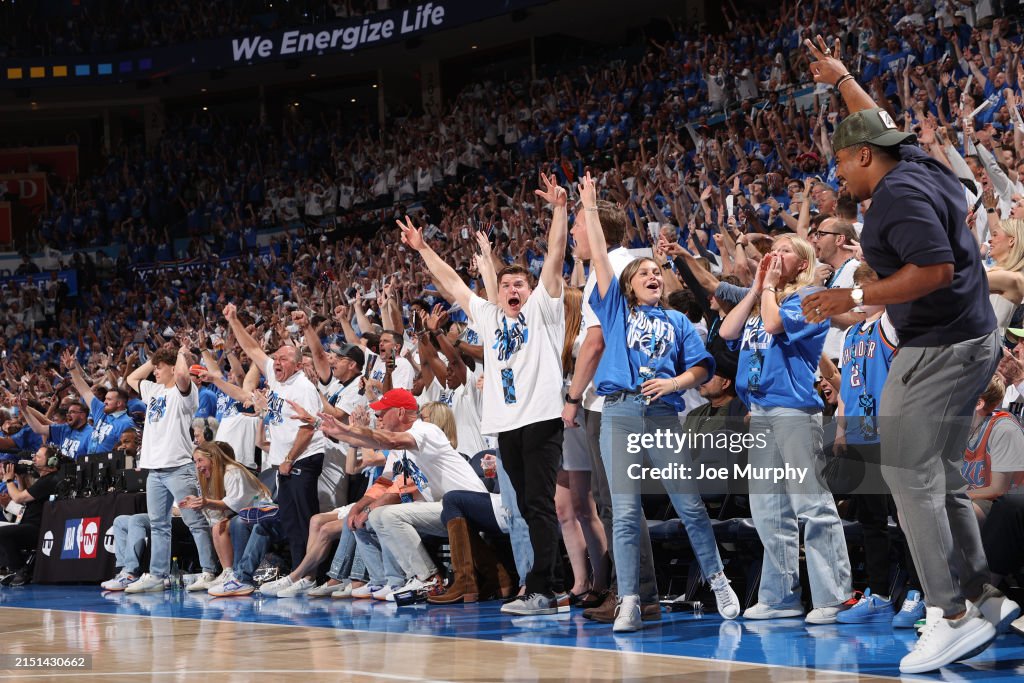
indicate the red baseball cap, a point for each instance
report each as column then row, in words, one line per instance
column 396, row 398
column 196, row 369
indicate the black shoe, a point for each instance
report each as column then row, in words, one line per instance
column 21, row 578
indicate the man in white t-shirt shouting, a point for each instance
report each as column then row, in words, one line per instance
column 166, row 452
column 522, row 336
column 833, row 246
column 420, row 457
column 295, row 448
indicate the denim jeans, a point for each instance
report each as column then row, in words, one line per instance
column 250, row 544
column 348, row 561
column 622, row 417
column 788, row 436
column 131, row 533
column 518, row 531
column 164, row 486
column 380, row 563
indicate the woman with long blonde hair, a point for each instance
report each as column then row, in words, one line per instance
column 779, row 352
column 1006, row 277
column 227, row 486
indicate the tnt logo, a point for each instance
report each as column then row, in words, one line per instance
column 47, row 543
column 81, row 539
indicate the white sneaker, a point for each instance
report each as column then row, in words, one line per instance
column 222, row 578
column 823, row 615
column 1018, row 625
column 944, row 641
column 272, row 588
column 324, row 590
column 763, row 611
column 202, row 582
column 365, row 591
column 345, row 591
column 385, row 593
column 119, row 582
column 415, row 584
column 147, row 583
column 728, row 603
column 998, row 609
column 627, row 615
column 300, row 587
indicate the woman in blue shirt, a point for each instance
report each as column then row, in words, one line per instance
column 651, row 356
column 779, row 352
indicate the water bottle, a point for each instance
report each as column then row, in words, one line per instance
column 175, row 575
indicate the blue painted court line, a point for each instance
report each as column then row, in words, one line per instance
column 873, row 649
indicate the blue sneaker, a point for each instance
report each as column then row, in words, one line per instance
column 870, row 609
column 911, row 612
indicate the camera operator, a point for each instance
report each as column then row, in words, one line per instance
column 22, row 536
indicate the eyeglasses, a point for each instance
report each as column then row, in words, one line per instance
column 818, row 233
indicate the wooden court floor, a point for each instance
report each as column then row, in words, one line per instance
column 154, row 648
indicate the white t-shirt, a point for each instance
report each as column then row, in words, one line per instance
column 165, row 437
column 527, row 349
column 403, row 376
column 239, row 432
column 842, row 278
column 283, row 429
column 620, row 258
column 465, row 404
column 433, row 464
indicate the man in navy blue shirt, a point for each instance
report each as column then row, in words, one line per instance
column 935, row 290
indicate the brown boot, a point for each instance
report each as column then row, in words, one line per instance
column 495, row 579
column 463, row 587
column 605, row 613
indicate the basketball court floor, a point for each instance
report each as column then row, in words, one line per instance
column 194, row 637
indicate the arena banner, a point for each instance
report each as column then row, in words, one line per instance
column 68, row 277
column 6, row 233
column 27, row 189
column 359, row 33
column 60, row 160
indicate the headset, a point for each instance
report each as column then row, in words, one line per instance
column 207, row 430
column 53, row 456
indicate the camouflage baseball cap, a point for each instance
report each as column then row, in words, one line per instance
column 869, row 125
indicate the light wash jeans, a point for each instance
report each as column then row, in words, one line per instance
column 518, row 531
column 131, row 533
column 348, row 561
column 164, row 486
column 398, row 530
column 380, row 563
column 793, row 437
column 623, row 416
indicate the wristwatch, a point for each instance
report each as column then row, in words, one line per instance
column 574, row 401
column 857, row 294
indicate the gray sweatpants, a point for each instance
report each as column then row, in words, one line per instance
column 926, row 408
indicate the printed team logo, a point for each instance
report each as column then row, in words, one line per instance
column 47, row 543
column 156, row 409
column 275, row 409
column 651, row 336
column 81, row 539
column 109, row 540
column 886, row 120
column 101, row 431
column 509, row 340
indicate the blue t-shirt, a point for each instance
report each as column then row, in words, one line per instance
column 646, row 336
column 867, row 355
column 106, row 429
column 918, row 215
column 71, row 442
column 777, row 370
column 207, row 403
column 27, row 440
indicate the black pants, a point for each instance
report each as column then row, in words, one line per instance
column 298, row 501
column 14, row 539
column 1003, row 535
column 532, row 456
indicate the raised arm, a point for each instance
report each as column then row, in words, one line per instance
column 441, row 271
column 70, row 362
column 551, row 272
column 138, row 374
column 599, row 260
column 182, row 379
column 485, row 265
column 320, row 362
column 829, row 69
column 251, row 347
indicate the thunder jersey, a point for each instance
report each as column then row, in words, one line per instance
column 868, row 349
